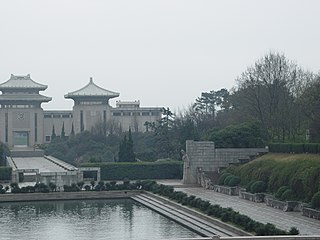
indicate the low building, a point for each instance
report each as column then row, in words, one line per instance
column 23, row 122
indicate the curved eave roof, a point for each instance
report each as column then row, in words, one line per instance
column 91, row 90
column 22, row 82
column 22, row 97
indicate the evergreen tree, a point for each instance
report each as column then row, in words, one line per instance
column 72, row 131
column 126, row 153
column 63, row 134
column 130, row 152
column 53, row 134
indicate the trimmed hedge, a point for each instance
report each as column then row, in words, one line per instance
column 5, row 173
column 294, row 147
column 139, row 170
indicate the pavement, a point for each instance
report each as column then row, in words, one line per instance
column 41, row 163
column 257, row 211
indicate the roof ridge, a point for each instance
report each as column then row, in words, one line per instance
column 105, row 92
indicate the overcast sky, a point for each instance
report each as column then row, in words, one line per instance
column 163, row 53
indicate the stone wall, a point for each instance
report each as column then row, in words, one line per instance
column 226, row 190
column 203, row 155
column 253, row 197
column 311, row 213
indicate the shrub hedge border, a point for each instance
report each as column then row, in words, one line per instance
column 139, row 170
column 5, row 173
column 294, row 147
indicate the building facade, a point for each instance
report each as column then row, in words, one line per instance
column 23, row 122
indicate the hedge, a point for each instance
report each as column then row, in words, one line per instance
column 5, row 173
column 139, row 170
column 294, row 147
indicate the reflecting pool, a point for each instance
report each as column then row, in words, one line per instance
column 96, row 219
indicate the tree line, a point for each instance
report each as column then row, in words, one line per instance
column 273, row 101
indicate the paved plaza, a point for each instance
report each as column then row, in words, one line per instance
column 40, row 163
column 257, row 211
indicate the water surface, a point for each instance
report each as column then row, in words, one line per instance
column 82, row 220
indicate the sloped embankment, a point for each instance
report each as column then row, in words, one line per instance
column 300, row 172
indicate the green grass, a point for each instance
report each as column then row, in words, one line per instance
column 301, row 172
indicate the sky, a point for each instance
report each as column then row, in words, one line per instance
column 161, row 52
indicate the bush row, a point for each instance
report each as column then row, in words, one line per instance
column 102, row 186
column 294, row 147
column 38, row 187
column 139, row 170
column 229, row 179
column 225, row 214
column 5, row 173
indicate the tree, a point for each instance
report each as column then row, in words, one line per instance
column 72, row 131
column 268, row 92
column 63, row 134
column 163, row 129
column 310, row 101
column 130, row 152
column 126, row 153
column 53, row 134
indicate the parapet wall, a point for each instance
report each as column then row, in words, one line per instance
column 205, row 156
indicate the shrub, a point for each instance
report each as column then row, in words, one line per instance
column 139, row 170
column 294, row 231
column 297, row 147
column 223, row 177
column 280, row 191
column 234, row 181
column 248, row 187
column 5, row 173
column 287, row 195
column 227, row 180
column 258, row 187
column 311, row 148
column 315, row 200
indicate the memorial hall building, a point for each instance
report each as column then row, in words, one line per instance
column 23, row 122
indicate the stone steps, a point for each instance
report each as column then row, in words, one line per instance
column 200, row 225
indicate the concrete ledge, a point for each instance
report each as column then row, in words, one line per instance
column 54, row 196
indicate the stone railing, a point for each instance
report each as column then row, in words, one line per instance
column 287, row 206
column 311, row 213
column 253, row 197
column 226, row 190
column 204, row 180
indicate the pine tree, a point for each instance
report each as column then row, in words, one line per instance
column 72, row 131
column 63, row 134
column 53, row 134
column 130, row 152
column 126, row 153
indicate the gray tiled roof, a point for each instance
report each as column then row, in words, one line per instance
column 22, row 82
column 24, row 97
column 91, row 89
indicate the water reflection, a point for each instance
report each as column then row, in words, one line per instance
column 101, row 219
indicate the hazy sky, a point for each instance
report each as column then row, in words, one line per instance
column 163, row 53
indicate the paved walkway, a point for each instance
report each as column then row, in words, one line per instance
column 257, row 211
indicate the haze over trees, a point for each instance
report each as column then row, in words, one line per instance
column 274, row 100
